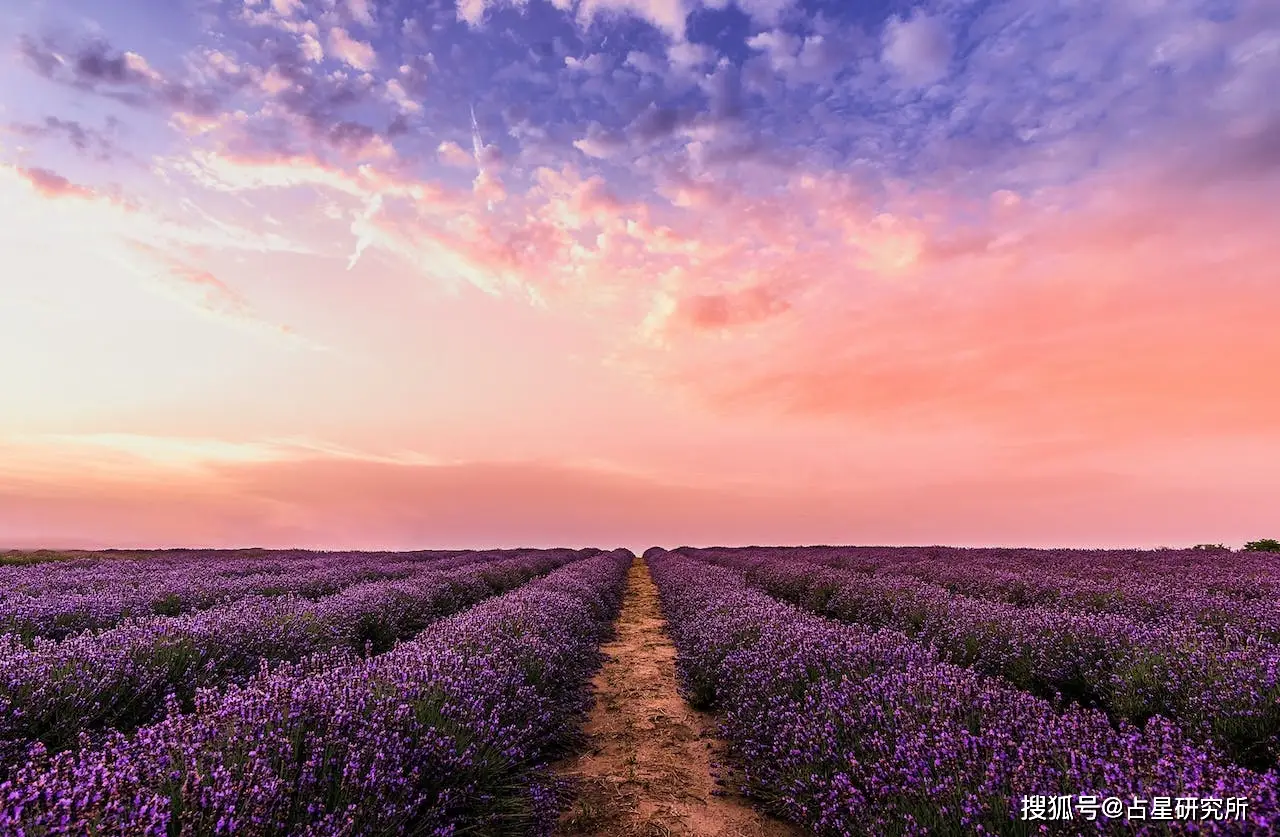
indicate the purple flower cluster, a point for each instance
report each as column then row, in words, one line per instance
column 445, row 734
column 61, row 598
column 120, row 678
column 1239, row 589
column 1220, row 685
column 848, row 730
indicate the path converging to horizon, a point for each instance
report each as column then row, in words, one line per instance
column 649, row 766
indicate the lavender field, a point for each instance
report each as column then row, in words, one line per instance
column 936, row 691
column 418, row 694
column 839, row 691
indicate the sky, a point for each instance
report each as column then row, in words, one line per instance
column 364, row 274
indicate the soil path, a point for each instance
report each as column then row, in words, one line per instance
column 647, row 768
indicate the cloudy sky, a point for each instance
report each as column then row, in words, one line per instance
column 406, row 274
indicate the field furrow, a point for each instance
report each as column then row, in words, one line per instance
column 648, row 764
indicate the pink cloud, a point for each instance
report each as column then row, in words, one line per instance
column 217, row 296
column 471, row 11
column 1034, row 318
column 286, row 8
column 667, row 15
column 311, row 48
column 709, row 311
column 400, row 97
column 50, row 184
column 452, row 154
column 199, row 288
column 358, row 54
column 1092, row 321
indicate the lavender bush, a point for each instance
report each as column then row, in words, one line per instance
column 53, row 692
column 1241, row 589
column 1217, row 685
column 850, row 731
column 445, row 734
column 59, row 599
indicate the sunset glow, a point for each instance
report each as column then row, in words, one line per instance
column 360, row 274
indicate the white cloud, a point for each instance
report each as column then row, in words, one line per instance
column 452, row 154
column 781, row 47
column 645, row 63
column 139, row 65
column 595, row 147
column 919, row 49
column 361, row 10
column 471, row 11
column 358, row 54
column 311, row 49
column 600, row 142
column 685, row 55
column 594, row 64
column 765, row 12
column 667, row 15
column 397, row 94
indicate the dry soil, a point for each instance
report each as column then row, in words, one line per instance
column 648, row 766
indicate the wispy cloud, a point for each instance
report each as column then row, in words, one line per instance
column 50, row 184
column 86, row 140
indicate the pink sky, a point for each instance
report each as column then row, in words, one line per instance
column 830, row 281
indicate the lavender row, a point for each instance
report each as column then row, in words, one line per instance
column 849, row 731
column 121, row 678
column 1220, row 690
column 1211, row 588
column 111, row 569
column 446, row 734
column 102, row 595
column 129, row 570
column 1245, row 575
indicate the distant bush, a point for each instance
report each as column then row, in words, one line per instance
column 14, row 556
column 1264, row 545
column 1212, row 547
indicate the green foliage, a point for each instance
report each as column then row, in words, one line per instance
column 170, row 605
column 39, row 556
column 1264, row 545
column 1212, row 547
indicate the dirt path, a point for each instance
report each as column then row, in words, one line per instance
column 647, row 768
